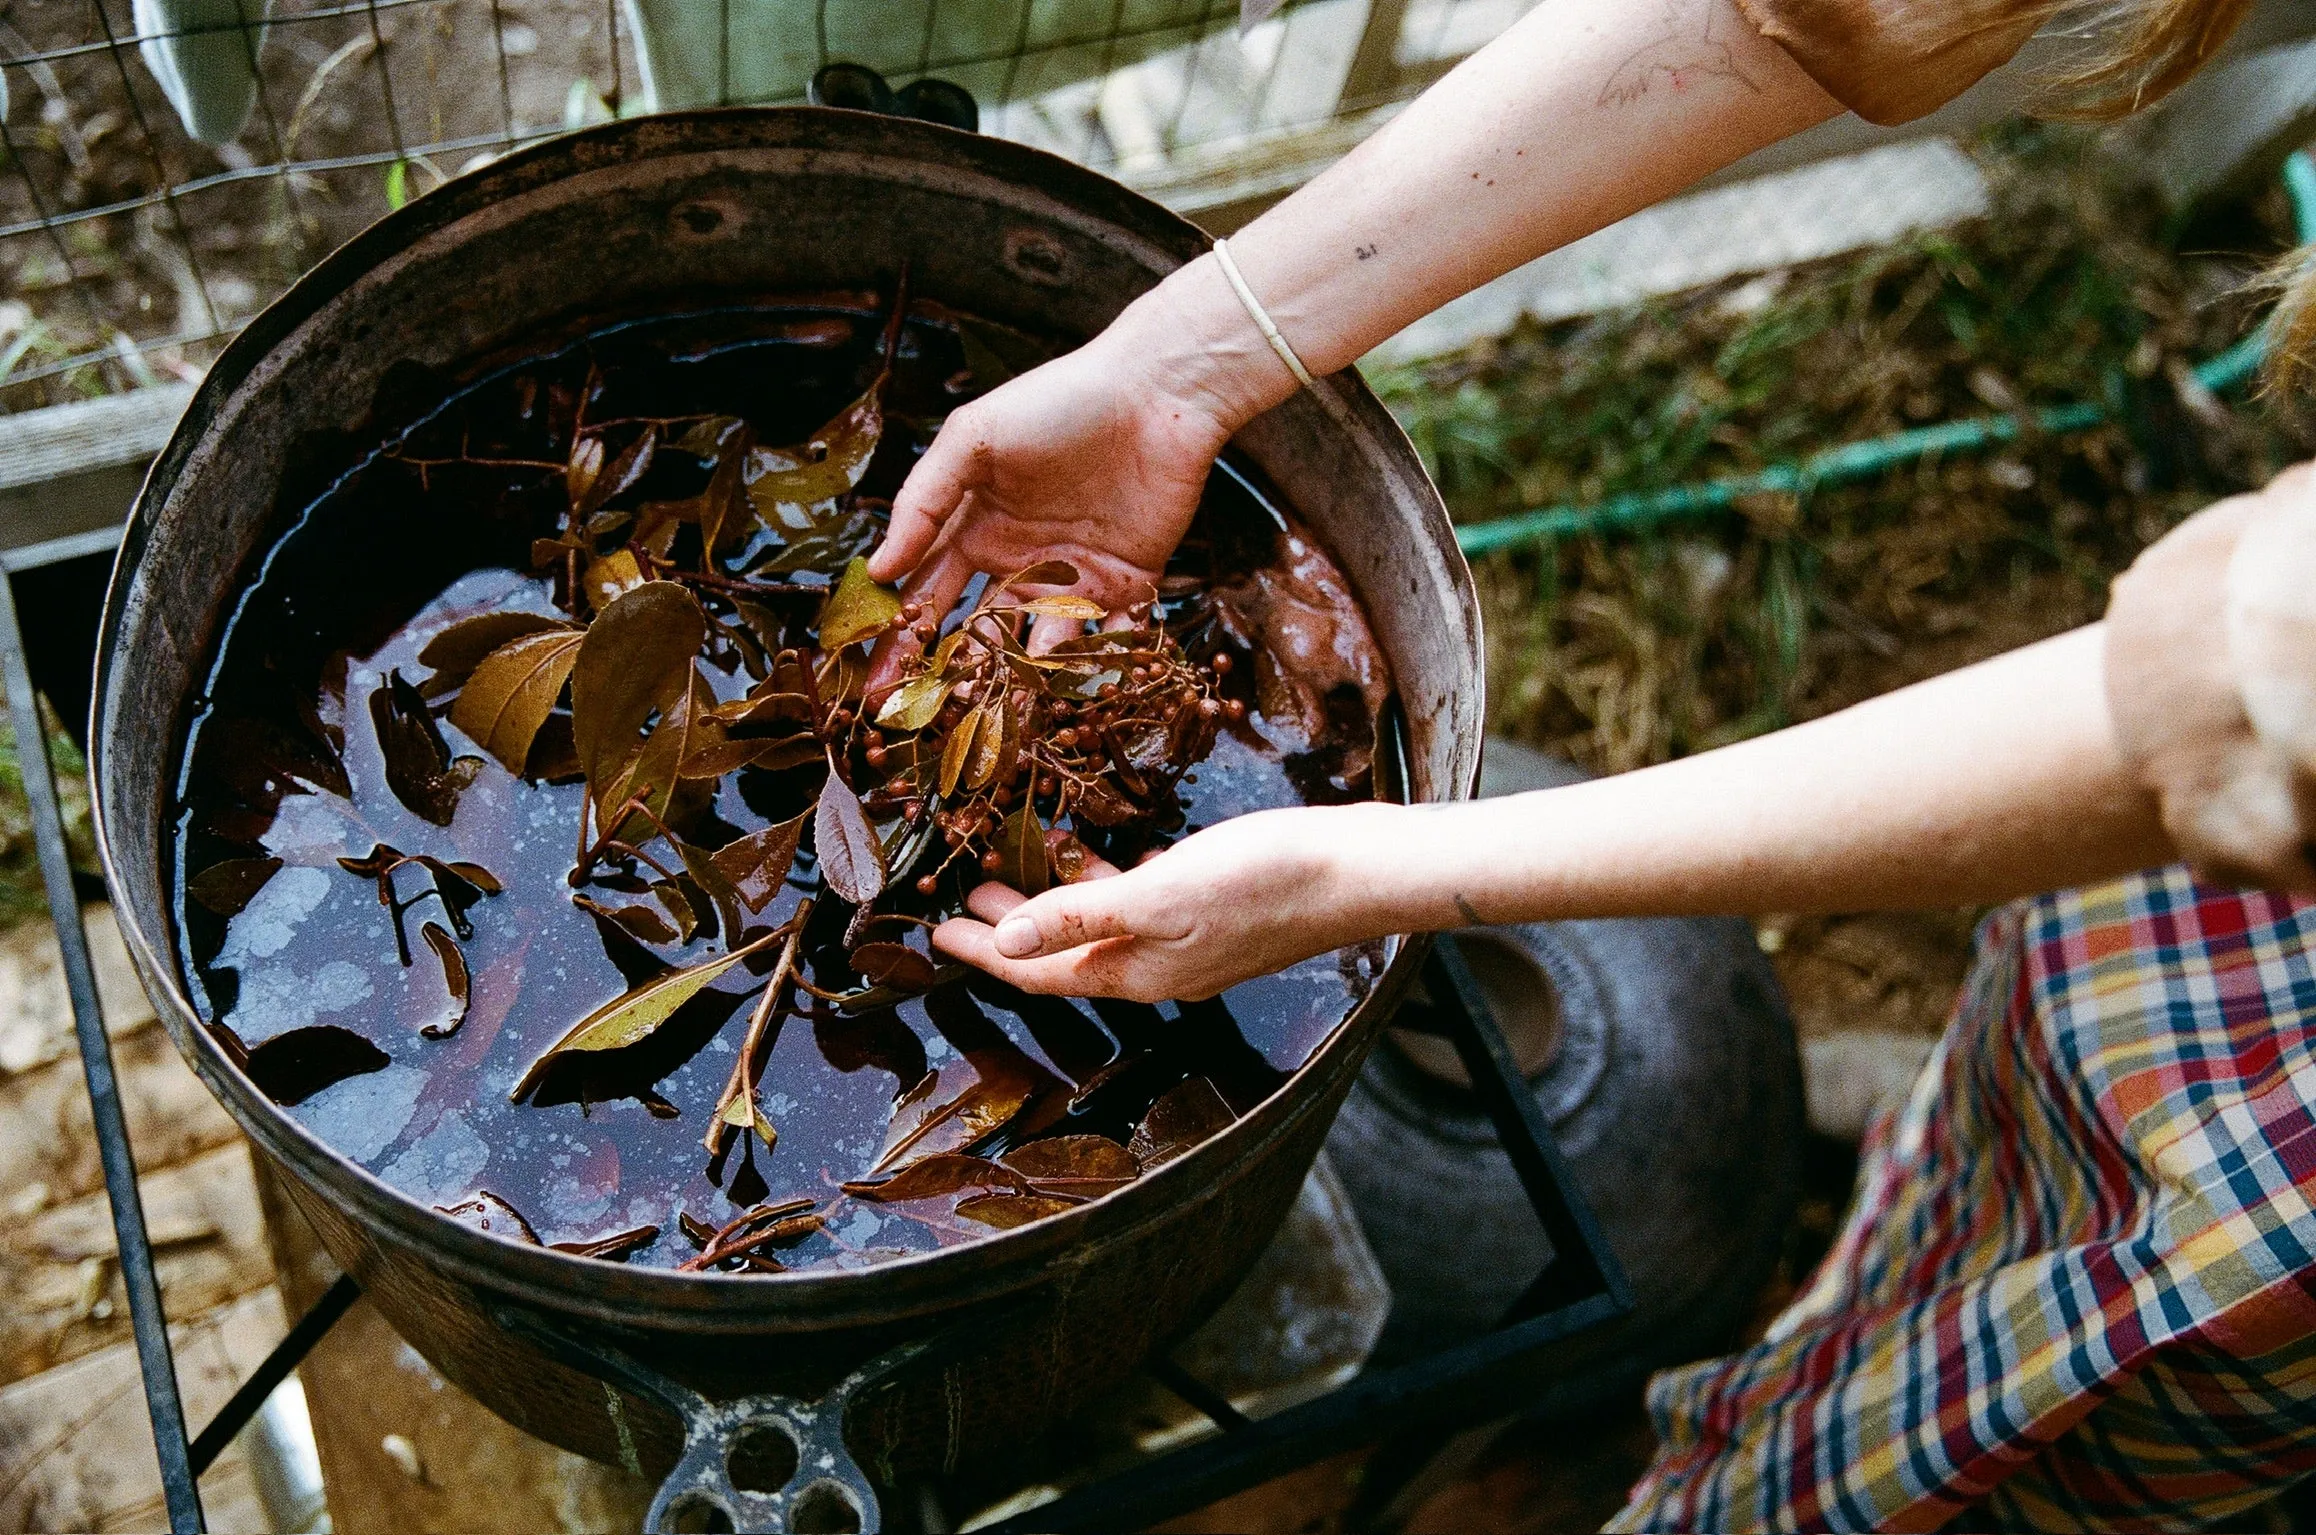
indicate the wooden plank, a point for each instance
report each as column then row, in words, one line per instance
column 364, row 1384
column 36, row 1012
column 76, row 1451
column 74, row 468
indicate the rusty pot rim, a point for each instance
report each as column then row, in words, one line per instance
column 983, row 1268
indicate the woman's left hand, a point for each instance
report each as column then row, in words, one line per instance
column 1240, row 899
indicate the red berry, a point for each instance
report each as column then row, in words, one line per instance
column 991, row 863
column 1220, row 663
column 927, row 884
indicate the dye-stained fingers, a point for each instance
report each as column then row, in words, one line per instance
column 959, row 459
column 935, row 586
column 1116, row 967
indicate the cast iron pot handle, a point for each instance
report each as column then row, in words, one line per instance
column 702, row 1478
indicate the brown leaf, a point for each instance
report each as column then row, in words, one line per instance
column 454, row 980
column 895, row 965
column 615, row 1248
column 642, row 921
column 720, row 502
column 227, row 887
column 852, row 861
column 1067, row 855
column 1006, row 1211
column 1021, row 847
column 636, row 1014
column 757, row 865
column 610, row 577
column 580, row 473
column 512, row 691
column 1043, row 573
column 712, row 884
column 825, row 465
column 418, row 765
column 615, row 480
column 764, row 705
column 459, row 649
column 942, row 1113
column 485, row 1211
column 636, row 662
column 937, row 1176
column 857, row 608
column 958, row 754
column 1065, row 607
column 678, row 904
column 1074, row 1164
column 1185, row 1116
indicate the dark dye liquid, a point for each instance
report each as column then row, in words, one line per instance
column 305, row 982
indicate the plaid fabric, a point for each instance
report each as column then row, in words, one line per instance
column 2078, row 1287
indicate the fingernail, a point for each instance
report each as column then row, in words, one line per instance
column 1017, row 938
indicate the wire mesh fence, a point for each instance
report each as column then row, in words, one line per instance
column 171, row 165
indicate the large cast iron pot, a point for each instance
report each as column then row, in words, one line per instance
column 626, row 219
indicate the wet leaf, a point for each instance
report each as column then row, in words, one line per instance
column 291, row 1067
column 712, row 884
column 679, row 906
column 744, row 1113
column 913, row 704
column 1074, row 1164
column 705, row 437
column 1067, row 856
column 485, row 1211
column 852, row 861
column 1021, row 847
column 455, row 982
column 988, row 744
column 611, row 577
column 227, row 887
column 459, row 649
column 942, row 1113
column 1065, row 607
column 615, row 480
column 957, row 755
column 418, row 765
column 826, row 545
column 1184, row 1117
column 857, row 608
column 780, row 756
column 474, row 874
column 825, row 465
column 1006, row 1211
column 636, row 662
column 636, row 1015
column 936, row 1177
column 764, row 705
column 757, row 865
column 512, row 691
column 581, row 471
column 895, row 965
column 642, row 921
column 720, row 502
column 615, row 1248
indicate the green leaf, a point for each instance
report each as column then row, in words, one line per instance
column 513, row 690
column 1021, row 844
column 743, row 1113
column 857, row 608
column 636, row 1015
column 913, row 704
column 397, row 184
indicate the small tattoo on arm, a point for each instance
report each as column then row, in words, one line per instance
column 1471, row 916
column 1363, row 251
column 1677, row 57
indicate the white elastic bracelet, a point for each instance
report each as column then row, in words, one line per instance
column 1261, row 317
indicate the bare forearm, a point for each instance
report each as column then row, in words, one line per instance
column 1582, row 113
column 1988, row 783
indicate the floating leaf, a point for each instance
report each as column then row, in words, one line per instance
column 636, row 1015
column 1185, row 1116
column 485, row 1211
column 927, row 1122
column 857, row 608
column 1065, row 607
column 615, row 480
column 616, row 1248
column 852, row 861
column 227, row 887
column 756, row 866
column 743, row 1113
column 679, row 905
column 1021, row 849
column 712, row 884
column 513, row 690
column 459, row 649
column 826, row 545
column 913, row 704
column 719, row 503
column 895, row 965
column 826, row 465
column 454, row 980
column 636, row 662
column 1087, row 1165
column 581, row 471
column 418, row 765
column 1006, row 1211
column 642, row 921
column 936, row 1177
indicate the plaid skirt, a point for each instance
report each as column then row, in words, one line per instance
column 2078, row 1287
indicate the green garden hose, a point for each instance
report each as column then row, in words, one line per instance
column 1853, row 461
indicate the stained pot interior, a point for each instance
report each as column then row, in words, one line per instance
column 646, row 216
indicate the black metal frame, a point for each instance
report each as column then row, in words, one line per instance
column 1580, row 1286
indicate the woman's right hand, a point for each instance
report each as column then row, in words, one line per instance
column 1097, row 457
